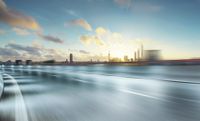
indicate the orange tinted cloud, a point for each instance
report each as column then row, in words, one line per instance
column 16, row 18
column 80, row 22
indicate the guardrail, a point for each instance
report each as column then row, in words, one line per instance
column 1, row 83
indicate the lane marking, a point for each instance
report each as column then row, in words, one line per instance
column 157, row 98
column 141, row 94
column 20, row 108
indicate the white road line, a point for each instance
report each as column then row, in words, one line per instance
column 20, row 108
column 157, row 98
column 141, row 94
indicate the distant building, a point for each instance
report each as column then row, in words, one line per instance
column 49, row 61
column 142, row 52
column 131, row 59
column 66, row 61
column 9, row 62
column 116, row 60
column 139, row 54
column 152, row 55
column 18, row 62
column 135, row 56
column 71, row 58
column 109, row 57
column 29, row 62
column 126, row 59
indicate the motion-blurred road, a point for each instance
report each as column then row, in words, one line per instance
column 100, row 93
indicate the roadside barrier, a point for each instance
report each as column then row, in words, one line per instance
column 1, row 84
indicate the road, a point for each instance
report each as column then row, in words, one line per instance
column 100, row 93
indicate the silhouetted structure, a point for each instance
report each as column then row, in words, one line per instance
column 108, row 56
column 152, row 55
column 66, row 61
column 139, row 53
column 142, row 52
column 18, row 62
column 126, row 59
column 116, row 60
column 131, row 59
column 29, row 62
column 71, row 58
column 9, row 62
column 135, row 56
column 49, row 61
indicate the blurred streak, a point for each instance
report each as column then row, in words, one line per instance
column 20, row 108
column 101, row 93
column 1, row 84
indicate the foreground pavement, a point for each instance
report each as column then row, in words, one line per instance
column 99, row 93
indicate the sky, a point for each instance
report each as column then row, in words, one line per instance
column 52, row 29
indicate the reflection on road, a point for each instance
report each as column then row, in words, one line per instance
column 100, row 93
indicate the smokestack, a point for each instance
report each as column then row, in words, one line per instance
column 109, row 56
column 135, row 54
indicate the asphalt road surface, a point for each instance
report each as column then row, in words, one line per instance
column 100, row 93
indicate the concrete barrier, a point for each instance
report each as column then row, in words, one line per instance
column 1, row 84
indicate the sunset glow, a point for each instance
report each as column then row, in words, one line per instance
column 90, row 32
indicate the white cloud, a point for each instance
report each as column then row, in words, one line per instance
column 138, row 6
column 108, row 35
column 146, row 7
column 21, row 31
column 101, row 31
column 72, row 13
column 87, row 39
column 35, row 52
column 115, row 42
column 102, row 37
column 124, row 3
column 6, row 52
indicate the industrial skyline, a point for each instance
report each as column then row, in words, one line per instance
column 43, row 30
column 99, row 60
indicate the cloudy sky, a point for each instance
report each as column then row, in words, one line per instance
column 51, row 29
